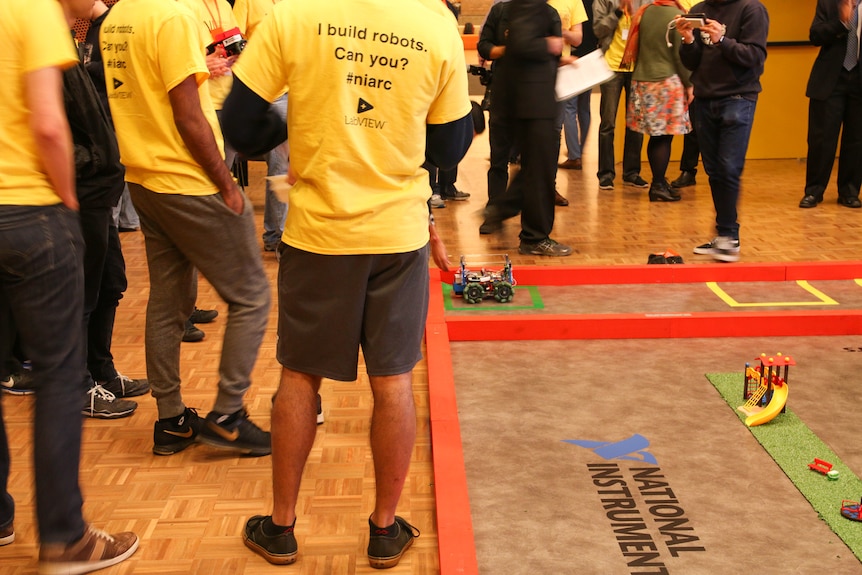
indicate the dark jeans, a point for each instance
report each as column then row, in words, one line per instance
column 41, row 301
column 825, row 119
column 723, row 129
column 610, row 104
column 104, row 284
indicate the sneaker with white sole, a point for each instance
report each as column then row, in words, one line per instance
column 123, row 386
column 18, row 383
column 95, row 550
column 102, row 404
column 723, row 249
column 546, row 247
column 436, row 201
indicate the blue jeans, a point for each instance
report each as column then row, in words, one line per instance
column 723, row 127
column 277, row 164
column 576, row 121
column 611, row 92
column 42, row 300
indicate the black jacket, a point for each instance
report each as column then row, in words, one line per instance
column 828, row 32
column 99, row 175
column 524, row 77
column 733, row 67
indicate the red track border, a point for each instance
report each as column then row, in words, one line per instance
column 456, row 543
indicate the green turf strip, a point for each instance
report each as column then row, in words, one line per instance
column 793, row 446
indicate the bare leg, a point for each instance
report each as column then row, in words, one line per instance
column 393, row 432
column 294, row 424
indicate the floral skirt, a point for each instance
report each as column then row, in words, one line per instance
column 658, row 108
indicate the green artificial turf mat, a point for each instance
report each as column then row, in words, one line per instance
column 793, row 446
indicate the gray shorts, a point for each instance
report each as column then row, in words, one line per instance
column 330, row 306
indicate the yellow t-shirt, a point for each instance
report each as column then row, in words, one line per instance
column 149, row 47
column 687, row 4
column 365, row 77
column 614, row 54
column 571, row 13
column 249, row 13
column 36, row 36
column 214, row 16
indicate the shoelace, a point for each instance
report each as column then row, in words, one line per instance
column 103, row 394
column 123, row 381
column 101, row 534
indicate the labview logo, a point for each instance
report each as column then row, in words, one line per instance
column 631, row 449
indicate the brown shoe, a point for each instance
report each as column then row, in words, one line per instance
column 95, row 550
column 575, row 164
column 560, row 200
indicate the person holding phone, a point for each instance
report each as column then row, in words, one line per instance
column 726, row 57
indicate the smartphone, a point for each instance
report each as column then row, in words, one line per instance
column 696, row 20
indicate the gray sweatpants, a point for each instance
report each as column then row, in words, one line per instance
column 188, row 233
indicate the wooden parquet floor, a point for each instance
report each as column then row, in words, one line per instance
column 189, row 509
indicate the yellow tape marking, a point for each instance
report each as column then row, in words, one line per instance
column 823, row 299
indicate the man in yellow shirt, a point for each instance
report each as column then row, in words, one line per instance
column 193, row 216
column 42, row 280
column 572, row 16
column 376, row 88
column 612, row 20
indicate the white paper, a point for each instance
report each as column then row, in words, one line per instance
column 582, row 74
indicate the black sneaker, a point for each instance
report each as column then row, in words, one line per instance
column 123, row 386
column 546, row 247
column 452, row 193
column 235, row 432
column 18, row 383
column 727, row 247
column 102, row 404
column 386, row 545
column 205, row 315
column 606, row 184
column 636, row 181
column 192, row 333
column 277, row 549
column 173, row 434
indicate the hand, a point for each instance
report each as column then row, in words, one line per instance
column 438, row 249
column 689, row 96
column 291, row 176
column 234, row 199
column 555, row 45
column 714, row 29
column 685, row 29
column 845, row 9
column 217, row 65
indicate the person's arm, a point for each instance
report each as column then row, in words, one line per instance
column 446, row 144
column 199, row 139
column 748, row 49
column 574, row 35
column 690, row 51
column 486, row 46
column 605, row 19
column 249, row 123
column 44, row 97
column 831, row 23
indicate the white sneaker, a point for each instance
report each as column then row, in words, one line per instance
column 437, row 201
column 721, row 248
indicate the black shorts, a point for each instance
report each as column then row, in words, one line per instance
column 330, row 306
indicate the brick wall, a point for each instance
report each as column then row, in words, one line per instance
column 474, row 11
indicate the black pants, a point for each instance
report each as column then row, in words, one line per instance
column 104, row 284
column 532, row 189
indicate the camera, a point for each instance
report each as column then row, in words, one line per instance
column 485, row 76
column 229, row 43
